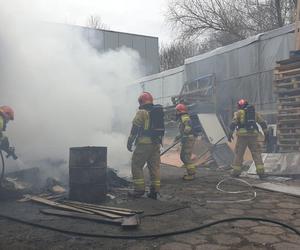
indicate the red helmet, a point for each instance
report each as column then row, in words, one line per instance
column 242, row 103
column 145, row 98
column 181, row 108
column 8, row 112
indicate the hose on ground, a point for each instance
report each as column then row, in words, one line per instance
column 145, row 236
column 218, row 187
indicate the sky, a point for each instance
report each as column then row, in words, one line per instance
column 145, row 17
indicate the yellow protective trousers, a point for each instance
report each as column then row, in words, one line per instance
column 251, row 142
column 150, row 154
column 187, row 145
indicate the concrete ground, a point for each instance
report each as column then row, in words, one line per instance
column 198, row 202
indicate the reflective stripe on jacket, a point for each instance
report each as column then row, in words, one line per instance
column 142, row 120
column 2, row 126
column 185, row 127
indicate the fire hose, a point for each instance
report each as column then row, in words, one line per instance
column 172, row 146
column 145, row 236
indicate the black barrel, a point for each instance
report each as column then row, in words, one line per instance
column 87, row 174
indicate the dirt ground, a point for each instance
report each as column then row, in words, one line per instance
column 193, row 201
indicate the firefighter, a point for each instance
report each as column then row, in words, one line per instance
column 187, row 137
column 6, row 115
column 147, row 148
column 245, row 123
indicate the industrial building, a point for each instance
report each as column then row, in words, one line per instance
column 242, row 69
column 104, row 40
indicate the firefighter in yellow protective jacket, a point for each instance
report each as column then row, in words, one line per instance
column 187, row 138
column 245, row 123
column 6, row 115
column 147, row 150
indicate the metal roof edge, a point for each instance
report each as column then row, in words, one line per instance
column 161, row 74
column 103, row 30
column 262, row 36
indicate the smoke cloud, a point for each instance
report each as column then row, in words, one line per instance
column 64, row 93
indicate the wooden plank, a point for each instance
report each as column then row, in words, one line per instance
column 131, row 221
column 284, row 105
column 294, row 142
column 98, row 212
column 56, row 205
column 288, row 91
column 289, row 110
column 290, row 98
column 288, row 131
column 288, row 78
column 289, row 146
column 288, row 66
column 288, row 61
column 286, row 135
column 288, row 72
column 288, row 126
column 290, row 115
column 293, row 121
column 91, row 217
column 102, row 209
column 107, row 207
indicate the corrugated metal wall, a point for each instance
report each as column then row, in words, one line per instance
column 163, row 85
column 245, row 69
column 242, row 70
column 104, row 40
column 146, row 46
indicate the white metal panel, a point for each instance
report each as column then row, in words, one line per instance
column 155, row 88
column 172, row 85
column 212, row 128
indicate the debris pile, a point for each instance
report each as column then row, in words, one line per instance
column 86, row 211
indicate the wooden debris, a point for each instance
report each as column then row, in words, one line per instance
column 101, row 209
column 57, row 205
column 44, row 195
column 91, row 217
column 131, row 221
column 95, row 211
column 105, row 207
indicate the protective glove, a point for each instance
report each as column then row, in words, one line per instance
column 230, row 136
column 130, row 143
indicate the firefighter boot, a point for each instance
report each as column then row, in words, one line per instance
column 188, row 177
column 260, row 171
column 191, row 172
column 152, row 194
column 236, row 171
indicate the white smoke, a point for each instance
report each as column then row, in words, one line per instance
column 65, row 93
